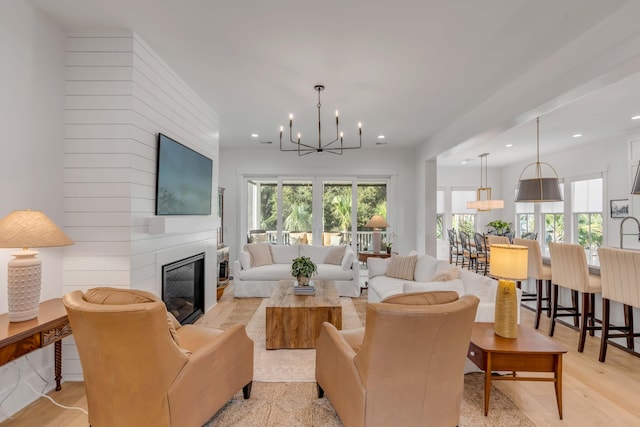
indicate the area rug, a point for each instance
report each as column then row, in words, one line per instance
column 285, row 365
column 282, row 401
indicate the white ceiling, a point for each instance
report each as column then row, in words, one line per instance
column 404, row 68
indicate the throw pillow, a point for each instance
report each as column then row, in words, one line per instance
column 335, row 255
column 446, row 275
column 452, row 285
column 349, row 257
column 422, row 298
column 260, row 254
column 402, row 267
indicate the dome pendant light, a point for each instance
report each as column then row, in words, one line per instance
column 486, row 204
column 538, row 189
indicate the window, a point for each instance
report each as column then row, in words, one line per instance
column 336, row 207
column 553, row 221
column 297, row 212
column 440, row 215
column 372, row 200
column 262, row 210
column 462, row 218
column 587, row 207
column 525, row 218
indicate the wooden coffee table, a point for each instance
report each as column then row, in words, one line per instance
column 529, row 352
column 294, row 321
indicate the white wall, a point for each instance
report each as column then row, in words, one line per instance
column 31, row 164
column 120, row 95
column 397, row 163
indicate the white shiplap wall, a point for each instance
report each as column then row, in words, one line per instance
column 120, row 95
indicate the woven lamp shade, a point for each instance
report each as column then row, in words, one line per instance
column 508, row 263
column 377, row 221
column 30, row 229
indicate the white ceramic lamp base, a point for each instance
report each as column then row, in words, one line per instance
column 375, row 241
column 23, row 286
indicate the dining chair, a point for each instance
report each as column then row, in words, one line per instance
column 482, row 255
column 541, row 274
column 569, row 270
column 468, row 252
column 455, row 252
column 620, row 276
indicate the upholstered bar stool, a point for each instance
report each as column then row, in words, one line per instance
column 569, row 269
column 541, row 273
column 620, row 275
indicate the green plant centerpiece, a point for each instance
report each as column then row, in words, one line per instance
column 302, row 268
column 501, row 227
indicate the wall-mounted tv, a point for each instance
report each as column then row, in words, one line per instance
column 183, row 180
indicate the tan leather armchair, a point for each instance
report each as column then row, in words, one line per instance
column 405, row 368
column 142, row 369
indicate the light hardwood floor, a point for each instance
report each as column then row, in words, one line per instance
column 594, row 393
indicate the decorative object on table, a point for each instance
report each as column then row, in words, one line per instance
column 487, row 203
column 389, row 248
column 500, row 227
column 508, row 263
column 376, row 222
column 27, row 229
column 329, row 146
column 309, row 289
column 538, row 189
column 302, row 268
column 619, row 208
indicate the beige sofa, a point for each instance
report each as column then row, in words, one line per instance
column 257, row 275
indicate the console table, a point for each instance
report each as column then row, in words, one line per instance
column 20, row 338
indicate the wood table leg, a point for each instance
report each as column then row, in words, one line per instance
column 487, row 385
column 558, row 382
column 58, row 363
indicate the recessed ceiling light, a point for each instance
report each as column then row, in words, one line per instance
column 635, row 117
column 464, row 162
column 577, row 135
column 380, row 136
column 509, row 145
column 381, row 143
column 254, row 135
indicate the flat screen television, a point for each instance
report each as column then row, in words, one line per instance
column 183, row 180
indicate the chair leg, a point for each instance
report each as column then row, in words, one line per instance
column 628, row 322
column 246, row 390
column 605, row 329
column 554, row 309
column 548, row 298
column 536, row 323
column 586, row 316
column 320, row 391
column 574, row 303
column 592, row 314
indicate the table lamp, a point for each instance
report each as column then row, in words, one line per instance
column 376, row 222
column 508, row 263
column 27, row 229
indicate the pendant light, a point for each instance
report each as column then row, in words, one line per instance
column 486, row 204
column 538, row 188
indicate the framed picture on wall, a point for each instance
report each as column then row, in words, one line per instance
column 619, row 208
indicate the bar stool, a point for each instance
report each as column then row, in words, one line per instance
column 569, row 269
column 541, row 273
column 620, row 283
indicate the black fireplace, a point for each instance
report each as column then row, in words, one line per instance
column 183, row 288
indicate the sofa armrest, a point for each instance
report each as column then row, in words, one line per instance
column 237, row 268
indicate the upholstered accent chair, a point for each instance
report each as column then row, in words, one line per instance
column 620, row 276
column 541, row 274
column 141, row 368
column 405, row 367
column 569, row 270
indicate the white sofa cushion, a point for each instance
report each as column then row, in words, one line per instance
column 245, row 260
column 284, row 254
column 332, row 272
column 267, row 273
column 426, row 267
column 335, row 255
column 377, row 266
column 316, row 253
column 348, row 259
column 452, row 285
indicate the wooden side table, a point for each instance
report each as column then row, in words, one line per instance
column 50, row 327
column 529, row 352
column 362, row 256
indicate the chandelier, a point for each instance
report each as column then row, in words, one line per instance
column 538, row 189
column 486, row 204
column 335, row 147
